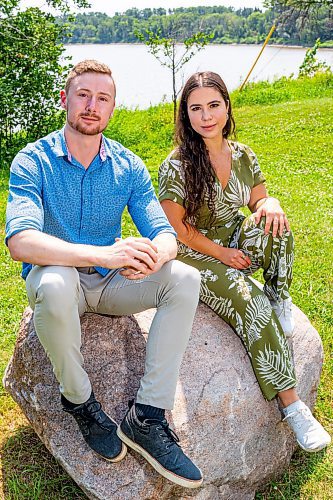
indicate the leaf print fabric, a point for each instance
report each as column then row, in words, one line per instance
column 274, row 370
column 257, row 315
column 244, row 175
column 231, row 293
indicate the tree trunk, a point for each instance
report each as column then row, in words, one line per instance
column 174, row 93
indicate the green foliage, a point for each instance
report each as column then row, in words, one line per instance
column 225, row 24
column 285, row 89
column 301, row 5
column 67, row 5
column 170, row 54
column 164, row 49
column 310, row 66
column 30, row 73
column 301, row 22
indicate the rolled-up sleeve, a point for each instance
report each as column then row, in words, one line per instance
column 144, row 206
column 24, row 207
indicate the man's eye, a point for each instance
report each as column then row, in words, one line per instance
column 82, row 94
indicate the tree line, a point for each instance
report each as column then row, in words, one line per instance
column 33, row 67
column 223, row 24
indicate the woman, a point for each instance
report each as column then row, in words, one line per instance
column 203, row 183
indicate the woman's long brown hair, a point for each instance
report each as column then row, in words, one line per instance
column 195, row 163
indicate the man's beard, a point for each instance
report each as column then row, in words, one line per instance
column 86, row 129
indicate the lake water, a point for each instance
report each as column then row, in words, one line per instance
column 142, row 81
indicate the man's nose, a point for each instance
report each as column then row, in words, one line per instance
column 91, row 104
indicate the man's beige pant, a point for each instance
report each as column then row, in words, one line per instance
column 60, row 295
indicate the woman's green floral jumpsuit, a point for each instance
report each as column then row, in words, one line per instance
column 231, row 293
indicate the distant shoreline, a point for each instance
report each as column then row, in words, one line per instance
column 279, row 46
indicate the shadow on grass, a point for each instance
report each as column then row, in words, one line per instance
column 30, row 472
column 290, row 484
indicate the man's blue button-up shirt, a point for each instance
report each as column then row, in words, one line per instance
column 50, row 191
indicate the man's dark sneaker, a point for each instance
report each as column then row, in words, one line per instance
column 158, row 444
column 98, row 429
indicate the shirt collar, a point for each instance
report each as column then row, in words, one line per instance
column 102, row 150
column 60, row 147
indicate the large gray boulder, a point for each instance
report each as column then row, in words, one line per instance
column 234, row 435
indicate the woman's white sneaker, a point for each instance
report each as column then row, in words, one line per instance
column 310, row 434
column 284, row 313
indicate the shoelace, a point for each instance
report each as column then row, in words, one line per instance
column 92, row 412
column 301, row 411
column 169, row 436
column 286, row 307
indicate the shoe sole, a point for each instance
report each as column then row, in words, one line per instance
column 121, row 455
column 314, row 450
column 181, row 481
column 116, row 459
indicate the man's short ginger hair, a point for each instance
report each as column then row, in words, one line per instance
column 88, row 66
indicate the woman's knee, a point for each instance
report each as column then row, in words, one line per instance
column 261, row 226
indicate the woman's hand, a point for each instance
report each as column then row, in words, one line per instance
column 232, row 257
column 275, row 216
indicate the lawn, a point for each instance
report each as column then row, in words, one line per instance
column 293, row 143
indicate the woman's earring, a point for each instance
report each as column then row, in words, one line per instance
column 227, row 116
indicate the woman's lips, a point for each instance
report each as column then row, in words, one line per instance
column 208, row 127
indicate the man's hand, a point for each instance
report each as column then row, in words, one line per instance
column 166, row 246
column 137, row 255
column 131, row 274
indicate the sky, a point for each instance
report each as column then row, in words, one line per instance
column 110, row 7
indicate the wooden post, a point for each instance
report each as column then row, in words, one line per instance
column 261, row 51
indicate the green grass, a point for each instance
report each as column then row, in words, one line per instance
column 293, row 143
column 285, row 89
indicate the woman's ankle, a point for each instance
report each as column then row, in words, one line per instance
column 288, row 397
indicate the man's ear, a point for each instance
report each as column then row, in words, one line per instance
column 63, row 99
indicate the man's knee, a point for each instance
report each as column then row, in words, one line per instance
column 183, row 279
column 58, row 289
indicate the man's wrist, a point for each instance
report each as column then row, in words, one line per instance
column 164, row 256
column 91, row 255
column 166, row 246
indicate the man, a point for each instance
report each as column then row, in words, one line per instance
column 67, row 195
